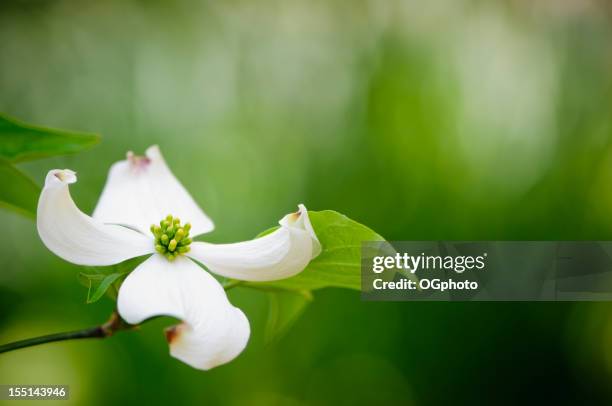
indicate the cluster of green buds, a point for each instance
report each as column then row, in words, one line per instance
column 171, row 238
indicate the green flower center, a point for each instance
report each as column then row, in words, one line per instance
column 171, row 238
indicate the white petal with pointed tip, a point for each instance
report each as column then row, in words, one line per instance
column 213, row 331
column 142, row 190
column 78, row 238
column 278, row 255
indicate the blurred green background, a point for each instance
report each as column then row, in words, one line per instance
column 423, row 120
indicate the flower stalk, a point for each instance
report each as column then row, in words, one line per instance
column 113, row 325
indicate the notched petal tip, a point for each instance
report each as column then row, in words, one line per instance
column 283, row 253
column 209, row 346
column 60, row 177
column 137, row 162
column 173, row 333
column 296, row 218
column 301, row 220
column 293, row 217
column 153, row 152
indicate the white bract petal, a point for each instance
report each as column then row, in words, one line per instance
column 278, row 255
column 142, row 190
column 213, row 331
column 78, row 238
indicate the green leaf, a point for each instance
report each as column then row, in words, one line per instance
column 107, row 279
column 103, row 286
column 18, row 191
column 285, row 308
column 339, row 264
column 87, row 279
column 22, row 142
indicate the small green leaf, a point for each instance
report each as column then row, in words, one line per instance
column 18, row 191
column 285, row 308
column 101, row 289
column 87, row 279
column 102, row 279
column 339, row 264
column 22, row 142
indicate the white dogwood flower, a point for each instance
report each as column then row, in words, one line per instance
column 139, row 192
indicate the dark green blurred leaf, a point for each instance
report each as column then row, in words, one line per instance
column 22, row 142
column 339, row 264
column 285, row 308
column 18, row 191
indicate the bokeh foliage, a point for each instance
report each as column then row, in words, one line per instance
column 22, row 142
column 453, row 120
